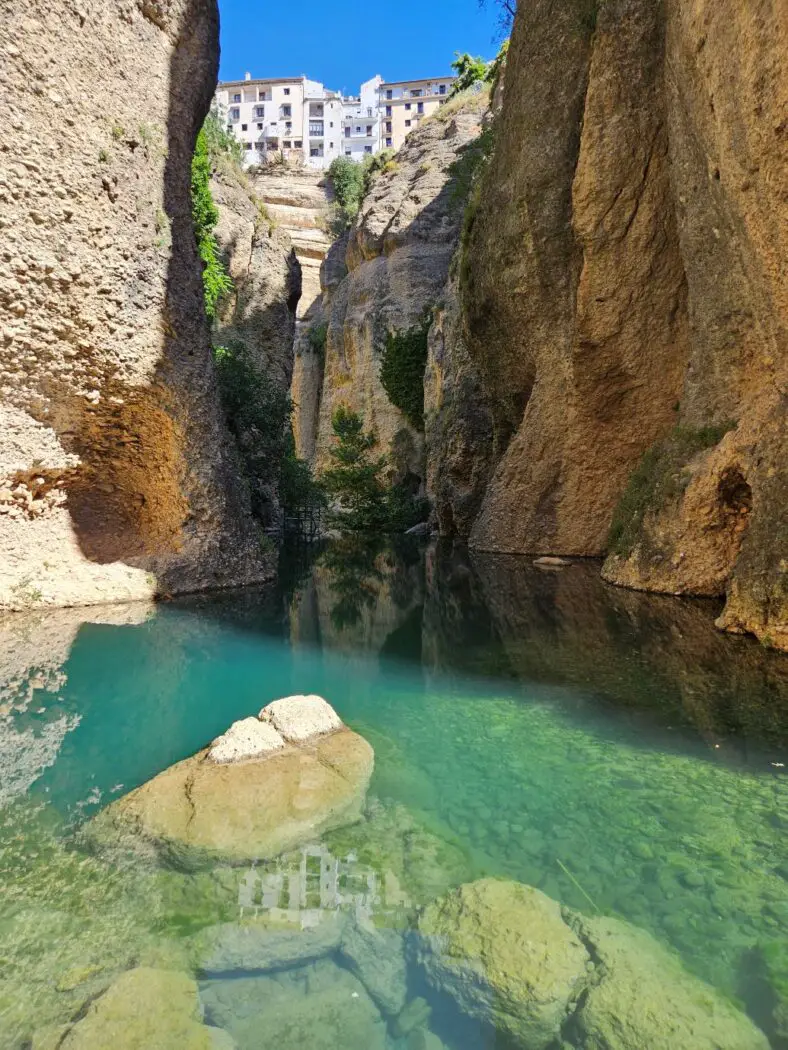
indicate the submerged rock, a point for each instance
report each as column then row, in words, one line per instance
column 510, row 957
column 248, row 796
column 642, row 996
column 377, row 958
column 504, row 953
column 322, row 1006
column 145, row 1008
column 261, row 946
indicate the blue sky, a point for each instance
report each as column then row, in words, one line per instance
column 343, row 43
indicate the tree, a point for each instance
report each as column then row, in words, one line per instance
column 507, row 9
column 469, row 70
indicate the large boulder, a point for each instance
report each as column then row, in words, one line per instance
column 261, row 945
column 252, row 795
column 511, row 957
column 643, row 997
column 145, row 1008
column 377, row 957
column 504, row 953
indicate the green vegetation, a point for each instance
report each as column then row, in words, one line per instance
column 659, row 477
column 402, row 370
column 317, row 336
column 357, row 480
column 257, row 412
column 469, row 71
column 216, row 280
column 351, row 181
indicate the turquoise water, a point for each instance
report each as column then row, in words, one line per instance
column 610, row 748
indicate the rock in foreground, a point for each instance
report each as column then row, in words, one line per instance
column 143, row 1009
column 253, row 793
column 511, row 957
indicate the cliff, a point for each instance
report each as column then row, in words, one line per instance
column 624, row 302
column 116, row 475
column 395, row 268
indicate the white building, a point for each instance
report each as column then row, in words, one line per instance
column 299, row 120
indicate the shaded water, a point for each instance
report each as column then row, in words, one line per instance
column 611, row 748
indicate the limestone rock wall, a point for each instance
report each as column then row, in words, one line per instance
column 116, row 475
column 266, row 275
column 398, row 255
column 624, row 276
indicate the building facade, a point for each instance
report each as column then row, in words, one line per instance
column 403, row 104
column 302, row 122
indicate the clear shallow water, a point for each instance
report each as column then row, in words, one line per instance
column 609, row 748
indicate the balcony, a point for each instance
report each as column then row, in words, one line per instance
column 316, row 130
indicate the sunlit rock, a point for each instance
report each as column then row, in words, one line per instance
column 254, row 801
column 249, row 738
column 299, row 718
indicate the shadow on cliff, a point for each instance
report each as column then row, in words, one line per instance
column 156, row 488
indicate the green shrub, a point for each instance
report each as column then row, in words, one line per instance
column 659, row 478
column 402, row 371
column 216, row 280
column 317, row 337
column 351, row 181
column 357, row 480
column 469, row 71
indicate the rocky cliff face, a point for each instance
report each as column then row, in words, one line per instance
column 397, row 260
column 116, row 477
column 623, row 293
column 266, row 276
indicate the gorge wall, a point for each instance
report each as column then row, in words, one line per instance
column 117, row 478
column 386, row 276
column 624, row 303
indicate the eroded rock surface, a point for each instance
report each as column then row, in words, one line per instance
column 116, row 475
column 247, row 798
column 622, row 286
column 513, row 957
column 398, row 257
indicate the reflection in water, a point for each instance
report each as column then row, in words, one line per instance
column 611, row 748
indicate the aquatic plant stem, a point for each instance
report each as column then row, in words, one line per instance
column 569, row 875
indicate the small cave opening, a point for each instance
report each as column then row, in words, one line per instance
column 735, row 494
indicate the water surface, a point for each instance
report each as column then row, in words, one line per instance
column 610, row 748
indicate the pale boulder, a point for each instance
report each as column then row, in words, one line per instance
column 301, row 718
column 248, row 738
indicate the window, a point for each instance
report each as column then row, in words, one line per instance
column 236, row 98
column 244, row 127
column 408, row 105
column 389, row 94
column 235, row 114
column 442, row 89
column 299, row 144
column 347, row 133
column 388, row 111
column 287, row 91
column 348, row 153
column 331, row 123
column 259, row 127
column 367, row 149
column 261, row 96
column 389, row 127
column 358, row 129
column 331, row 145
column 260, row 111
column 407, row 123
column 288, row 125
column 314, row 152
column 415, row 93
column 369, row 129
column 247, row 145
column 421, row 107
column 287, row 111
column 388, row 143
column 286, row 144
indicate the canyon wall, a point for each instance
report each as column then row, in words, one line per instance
column 117, row 478
column 393, row 275
column 624, row 302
